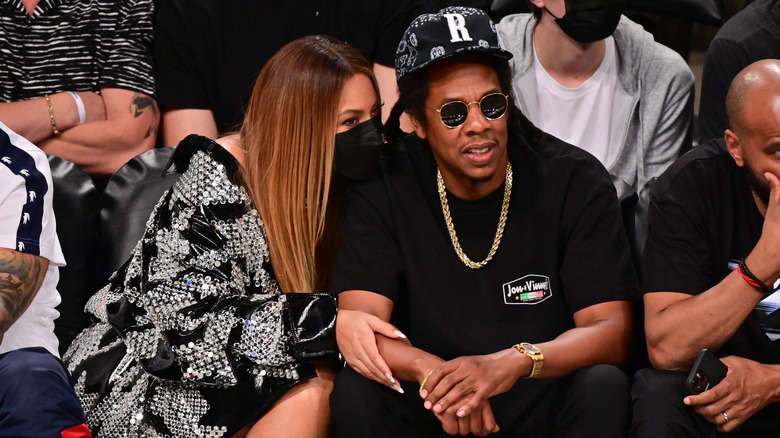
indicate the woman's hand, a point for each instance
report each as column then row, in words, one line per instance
column 355, row 334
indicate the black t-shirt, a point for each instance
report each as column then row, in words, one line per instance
column 703, row 221
column 208, row 53
column 563, row 249
column 497, row 9
column 751, row 35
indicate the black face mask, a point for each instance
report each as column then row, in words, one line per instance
column 587, row 21
column 357, row 150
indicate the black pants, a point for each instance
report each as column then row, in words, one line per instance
column 659, row 412
column 594, row 402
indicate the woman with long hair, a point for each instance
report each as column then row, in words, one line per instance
column 213, row 327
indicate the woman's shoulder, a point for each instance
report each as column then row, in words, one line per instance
column 232, row 144
column 195, row 145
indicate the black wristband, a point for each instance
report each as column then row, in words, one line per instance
column 753, row 280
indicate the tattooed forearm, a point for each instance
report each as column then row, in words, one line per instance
column 20, row 277
column 140, row 104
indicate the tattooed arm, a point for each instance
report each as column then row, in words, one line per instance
column 102, row 147
column 21, row 276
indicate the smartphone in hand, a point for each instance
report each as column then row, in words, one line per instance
column 706, row 372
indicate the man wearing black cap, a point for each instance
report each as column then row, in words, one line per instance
column 496, row 248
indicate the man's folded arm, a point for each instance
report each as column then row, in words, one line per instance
column 102, row 147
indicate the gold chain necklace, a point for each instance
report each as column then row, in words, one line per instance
column 445, row 208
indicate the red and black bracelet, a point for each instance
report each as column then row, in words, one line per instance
column 753, row 280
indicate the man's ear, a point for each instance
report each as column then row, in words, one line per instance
column 734, row 146
column 418, row 127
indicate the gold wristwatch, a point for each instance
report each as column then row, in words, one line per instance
column 535, row 354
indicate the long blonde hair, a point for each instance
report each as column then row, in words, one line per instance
column 288, row 138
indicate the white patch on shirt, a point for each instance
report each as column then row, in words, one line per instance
column 527, row 290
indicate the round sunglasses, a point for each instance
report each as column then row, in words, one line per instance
column 493, row 107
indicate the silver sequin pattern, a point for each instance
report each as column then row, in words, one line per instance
column 180, row 275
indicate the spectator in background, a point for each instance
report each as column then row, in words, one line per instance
column 495, row 8
column 209, row 52
column 597, row 80
column 77, row 79
column 711, row 266
column 36, row 399
column 750, row 35
column 436, row 5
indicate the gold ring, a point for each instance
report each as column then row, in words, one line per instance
column 425, row 380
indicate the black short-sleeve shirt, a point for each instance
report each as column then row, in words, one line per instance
column 750, row 35
column 703, row 221
column 563, row 249
column 208, row 53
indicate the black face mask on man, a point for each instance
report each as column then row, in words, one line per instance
column 587, row 21
column 357, row 150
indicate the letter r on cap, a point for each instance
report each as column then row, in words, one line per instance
column 458, row 30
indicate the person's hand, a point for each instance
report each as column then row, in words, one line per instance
column 772, row 218
column 746, row 390
column 355, row 336
column 479, row 422
column 93, row 105
column 459, row 386
column 765, row 256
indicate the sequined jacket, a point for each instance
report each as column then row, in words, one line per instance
column 193, row 336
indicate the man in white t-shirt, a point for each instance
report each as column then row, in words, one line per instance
column 35, row 395
column 591, row 77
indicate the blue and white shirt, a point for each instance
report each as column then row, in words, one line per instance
column 27, row 225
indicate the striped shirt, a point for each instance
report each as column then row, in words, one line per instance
column 75, row 45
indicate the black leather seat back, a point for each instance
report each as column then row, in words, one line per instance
column 709, row 12
column 77, row 210
column 128, row 200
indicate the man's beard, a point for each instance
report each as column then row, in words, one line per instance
column 759, row 187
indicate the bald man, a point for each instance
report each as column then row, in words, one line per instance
column 711, row 267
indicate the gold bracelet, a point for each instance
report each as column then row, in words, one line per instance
column 51, row 115
column 424, row 380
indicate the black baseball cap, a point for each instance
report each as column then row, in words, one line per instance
column 451, row 31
